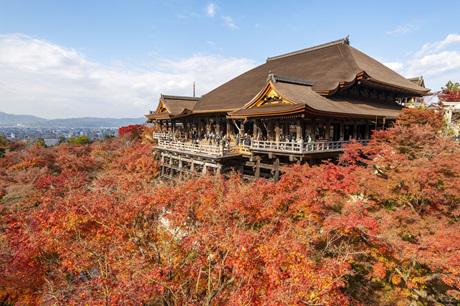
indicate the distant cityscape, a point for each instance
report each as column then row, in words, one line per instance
column 31, row 128
column 53, row 136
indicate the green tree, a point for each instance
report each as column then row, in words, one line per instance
column 78, row 140
column 40, row 142
column 4, row 143
column 451, row 86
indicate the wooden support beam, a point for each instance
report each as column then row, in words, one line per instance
column 204, row 169
column 269, row 126
column 217, row 126
column 276, row 171
column 355, row 129
column 328, row 129
column 229, row 128
column 298, row 130
column 342, row 130
column 257, row 170
column 180, row 168
column 277, row 131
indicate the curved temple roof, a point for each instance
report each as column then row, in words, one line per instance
column 328, row 67
column 173, row 106
column 299, row 97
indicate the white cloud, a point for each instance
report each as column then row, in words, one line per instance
column 437, row 61
column 401, row 30
column 211, row 9
column 430, row 48
column 396, row 66
column 228, row 21
column 45, row 79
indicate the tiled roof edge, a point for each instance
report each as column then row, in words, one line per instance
column 345, row 40
column 180, row 97
column 284, row 79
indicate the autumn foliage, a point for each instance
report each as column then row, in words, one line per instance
column 90, row 224
column 450, row 93
column 131, row 131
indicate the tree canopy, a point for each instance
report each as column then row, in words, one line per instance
column 89, row 224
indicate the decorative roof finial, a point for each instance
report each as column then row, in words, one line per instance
column 347, row 39
column 271, row 76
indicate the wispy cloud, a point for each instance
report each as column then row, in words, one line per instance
column 437, row 61
column 211, row 9
column 228, row 21
column 49, row 80
column 402, row 30
column 430, row 48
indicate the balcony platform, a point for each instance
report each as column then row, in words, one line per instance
column 200, row 150
column 261, row 158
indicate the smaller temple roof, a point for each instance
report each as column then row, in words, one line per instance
column 418, row 80
column 170, row 107
column 290, row 96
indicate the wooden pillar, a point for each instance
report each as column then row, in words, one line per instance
column 198, row 127
column 229, row 128
column 355, row 129
column 367, row 132
column 313, row 129
column 285, row 128
column 276, row 169
column 255, row 130
column 204, row 169
column 208, row 126
column 217, row 127
column 277, row 131
column 269, row 129
column 298, row 130
column 257, row 170
column 162, row 165
column 328, row 129
column 180, row 167
column 242, row 129
column 342, row 130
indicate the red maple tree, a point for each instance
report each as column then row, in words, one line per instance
column 90, row 225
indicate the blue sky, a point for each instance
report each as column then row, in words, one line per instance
column 114, row 58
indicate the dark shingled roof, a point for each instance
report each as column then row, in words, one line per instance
column 327, row 66
column 303, row 97
column 418, row 80
column 176, row 106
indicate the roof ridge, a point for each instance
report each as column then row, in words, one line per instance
column 345, row 40
column 420, row 77
column 179, row 97
column 285, row 79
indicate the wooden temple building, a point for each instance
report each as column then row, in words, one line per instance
column 296, row 107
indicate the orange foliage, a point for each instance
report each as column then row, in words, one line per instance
column 94, row 227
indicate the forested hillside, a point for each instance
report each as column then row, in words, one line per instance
column 90, row 224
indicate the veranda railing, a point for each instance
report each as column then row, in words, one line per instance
column 300, row 147
column 194, row 148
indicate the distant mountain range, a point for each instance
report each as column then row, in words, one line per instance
column 10, row 120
